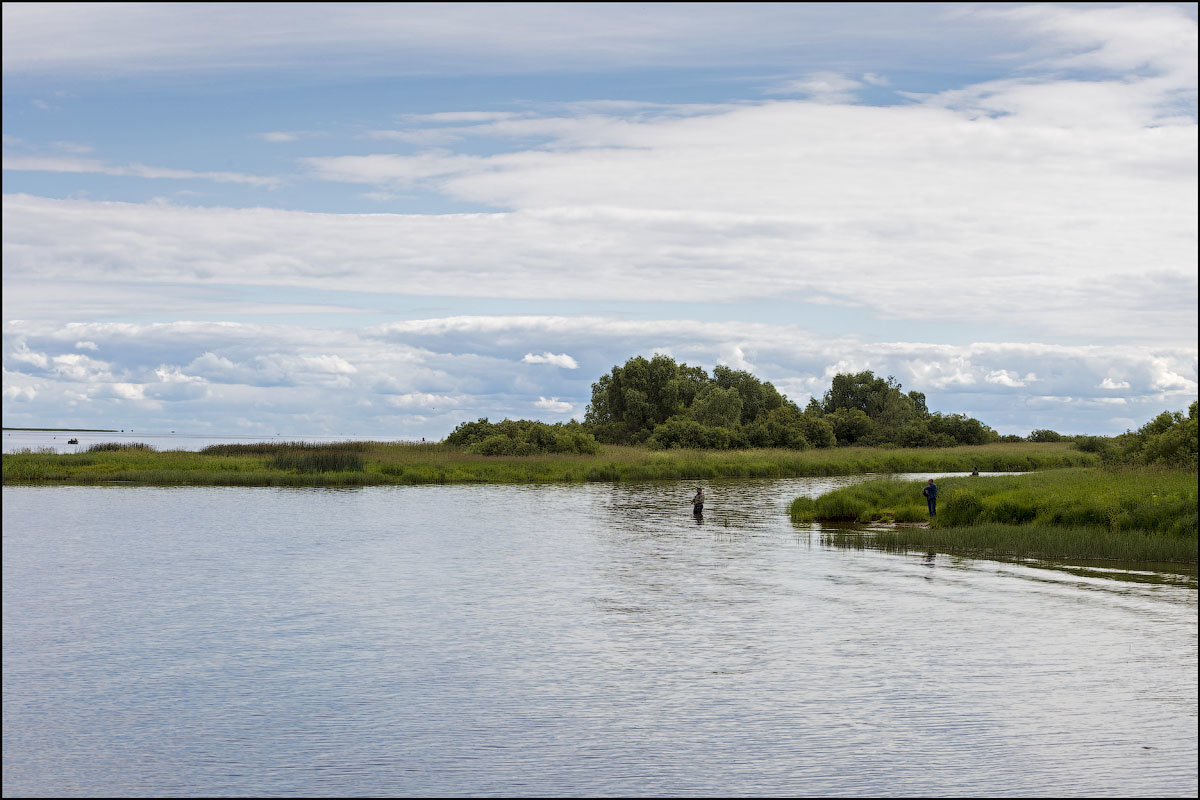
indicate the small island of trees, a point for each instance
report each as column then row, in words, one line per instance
column 661, row 404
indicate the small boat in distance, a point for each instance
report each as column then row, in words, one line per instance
column 72, row 441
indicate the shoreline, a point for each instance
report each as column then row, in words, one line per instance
column 389, row 463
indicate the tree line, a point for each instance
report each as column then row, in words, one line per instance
column 661, row 404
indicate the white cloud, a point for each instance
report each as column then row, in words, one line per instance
column 826, row 87
column 1004, row 378
column 85, row 345
column 559, row 360
column 1124, row 273
column 18, row 394
column 423, row 377
column 554, row 405
column 425, row 401
column 86, row 165
column 120, row 40
column 1109, row 383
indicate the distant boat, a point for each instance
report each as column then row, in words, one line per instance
column 72, row 441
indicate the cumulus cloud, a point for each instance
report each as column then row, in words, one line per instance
column 1058, row 202
column 1004, row 378
column 563, row 360
column 554, row 405
column 422, row 378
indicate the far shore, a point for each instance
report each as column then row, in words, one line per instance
column 68, row 430
column 346, row 464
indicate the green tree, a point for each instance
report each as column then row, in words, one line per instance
column 758, row 397
column 862, row 391
column 717, row 407
column 632, row 399
column 850, row 425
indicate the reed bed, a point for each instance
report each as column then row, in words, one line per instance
column 103, row 447
column 372, row 463
column 1144, row 499
column 1131, row 514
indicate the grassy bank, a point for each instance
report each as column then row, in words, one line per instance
column 1133, row 514
column 382, row 463
column 1030, row 541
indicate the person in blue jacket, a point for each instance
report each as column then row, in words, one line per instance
column 930, row 493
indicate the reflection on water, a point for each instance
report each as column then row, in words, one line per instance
column 854, row 537
column 566, row 640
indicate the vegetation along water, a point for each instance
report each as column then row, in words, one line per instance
column 647, row 419
column 1131, row 496
column 1139, row 505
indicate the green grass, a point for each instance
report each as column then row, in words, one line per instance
column 1131, row 514
column 377, row 463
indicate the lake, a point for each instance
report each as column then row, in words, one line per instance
column 577, row 640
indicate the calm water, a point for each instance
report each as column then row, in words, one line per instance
column 576, row 640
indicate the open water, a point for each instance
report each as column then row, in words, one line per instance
column 580, row 640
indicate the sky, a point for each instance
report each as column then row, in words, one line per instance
column 382, row 220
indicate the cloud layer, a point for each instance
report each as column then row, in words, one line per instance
column 420, row 378
column 1047, row 205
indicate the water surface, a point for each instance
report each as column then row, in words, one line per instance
column 565, row 640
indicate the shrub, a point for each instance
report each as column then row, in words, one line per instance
column 522, row 437
column 962, row 507
column 1045, row 435
column 689, row 434
column 1091, row 444
column 495, row 445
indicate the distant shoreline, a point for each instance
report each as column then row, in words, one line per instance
column 365, row 463
column 68, row 430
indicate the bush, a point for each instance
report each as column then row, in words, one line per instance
column 522, row 437
column 689, row 434
column 1091, row 444
column 1045, row 435
column 495, row 445
column 1169, row 440
column 962, row 507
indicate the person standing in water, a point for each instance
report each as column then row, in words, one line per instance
column 930, row 493
column 698, row 502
